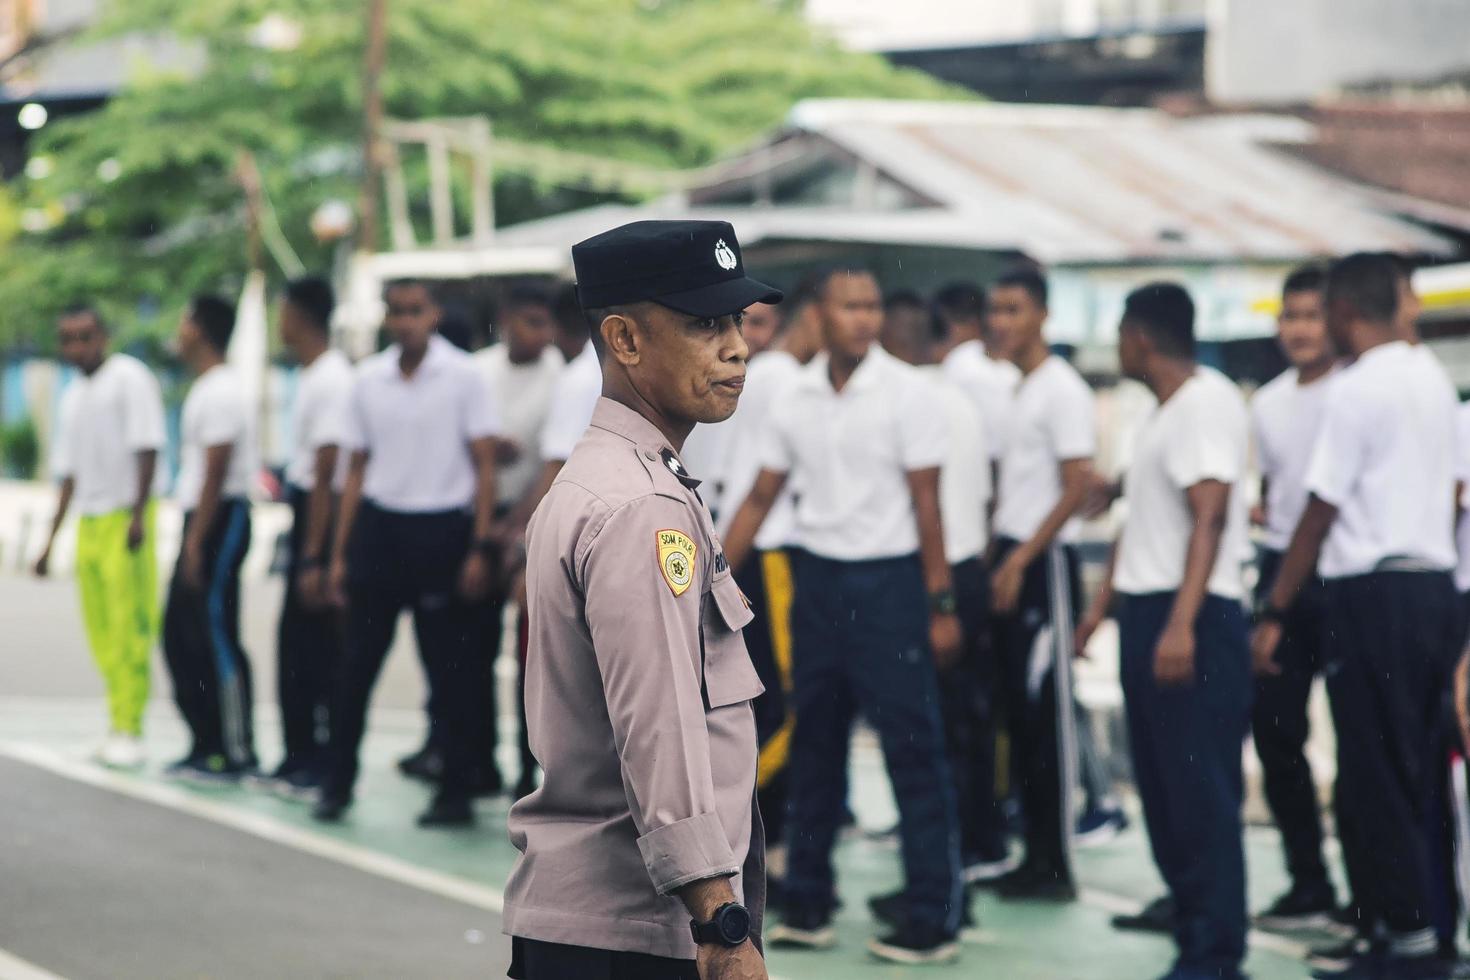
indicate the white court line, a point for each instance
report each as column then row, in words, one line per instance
column 257, row 825
column 14, row 968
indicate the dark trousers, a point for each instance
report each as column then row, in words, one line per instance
column 1034, row 646
column 967, row 695
column 308, row 647
column 407, row 561
column 1279, row 725
column 531, row 959
column 201, row 642
column 860, row 632
column 1395, row 639
column 768, row 641
column 1186, row 742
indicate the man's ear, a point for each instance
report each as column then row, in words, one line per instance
column 620, row 339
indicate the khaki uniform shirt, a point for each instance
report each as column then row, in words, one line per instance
column 638, row 691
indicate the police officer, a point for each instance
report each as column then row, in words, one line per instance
column 643, row 839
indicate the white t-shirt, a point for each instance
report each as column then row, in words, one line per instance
column 1285, row 419
column 104, row 422
column 706, row 456
column 417, row 430
column 964, row 477
column 572, row 404
column 1385, row 459
column 990, row 384
column 319, row 418
column 851, row 451
column 1462, row 473
column 1201, row 433
column 766, row 381
column 216, row 413
column 1052, row 420
column 522, row 393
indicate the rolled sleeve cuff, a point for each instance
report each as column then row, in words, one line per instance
column 691, row 850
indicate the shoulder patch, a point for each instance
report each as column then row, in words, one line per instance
column 676, row 559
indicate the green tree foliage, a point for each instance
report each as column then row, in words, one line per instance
column 143, row 196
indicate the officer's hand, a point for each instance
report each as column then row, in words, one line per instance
column 337, row 584
column 1462, row 701
column 43, row 564
column 474, row 577
column 1174, row 656
column 946, row 639
column 1264, row 642
column 135, row 532
column 741, row 962
column 1005, row 585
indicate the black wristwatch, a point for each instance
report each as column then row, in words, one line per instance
column 729, row 927
column 943, row 603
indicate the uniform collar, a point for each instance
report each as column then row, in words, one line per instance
column 620, row 420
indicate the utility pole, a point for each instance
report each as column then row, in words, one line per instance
column 374, row 55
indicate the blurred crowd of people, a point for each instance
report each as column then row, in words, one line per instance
column 900, row 495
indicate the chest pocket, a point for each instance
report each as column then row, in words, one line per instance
column 729, row 676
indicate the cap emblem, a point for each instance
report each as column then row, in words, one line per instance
column 725, row 255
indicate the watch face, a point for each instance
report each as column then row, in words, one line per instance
column 734, row 923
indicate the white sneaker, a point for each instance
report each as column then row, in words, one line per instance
column 123, row 752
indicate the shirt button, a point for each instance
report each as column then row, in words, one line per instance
column 650, row 455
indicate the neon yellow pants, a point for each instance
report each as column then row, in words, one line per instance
column 119, row 590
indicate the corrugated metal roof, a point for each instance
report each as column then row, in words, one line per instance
column 1065, row 185
column 1071, row 184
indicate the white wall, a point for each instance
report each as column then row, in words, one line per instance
column 1299, row 50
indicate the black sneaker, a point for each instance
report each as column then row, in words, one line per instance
column 1339, row 956
column 916, row 947
column 1156, row 916
column 1037, row 886
column 1311, row 907
column 1381, row 967
column 330, row 809
column 448, row 811
column 803, row 929
column 213, row 771
column 425, row 764
column 892, row 910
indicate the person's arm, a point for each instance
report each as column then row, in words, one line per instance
column 137, row 527
column 216, row 465
column 1261, row 513
column 1076, row 477
column 313, row 558
column 752, row 514
column 1297, row 566
column 650, row 666
column 63, row 505
column 1174, row 655
column 1101, row 608
column 346, row 517
column 944, row 625
column 474, row 576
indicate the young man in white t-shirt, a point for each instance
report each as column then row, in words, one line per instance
column 1286, row 416
column 309, row 636
column 201, row 625
column 874, row 614
column 110, row 430
column 415, row 534
column 967, row 688
column 522, row 369
column 989, row 379
column 1045, row 473
column 1378, row 528
column 1184, row 658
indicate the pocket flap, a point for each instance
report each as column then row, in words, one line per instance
column 729, row 676
column 731, row 603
